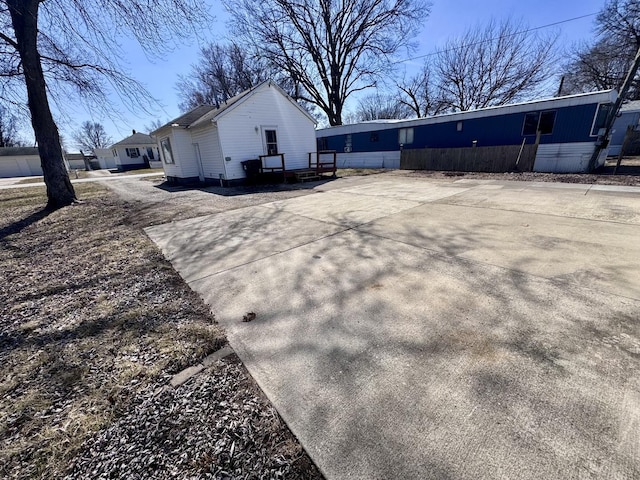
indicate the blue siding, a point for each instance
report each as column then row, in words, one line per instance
column 572, row 124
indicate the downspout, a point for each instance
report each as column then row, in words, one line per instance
column 613, row 113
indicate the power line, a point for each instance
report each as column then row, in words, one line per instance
column 497, row 38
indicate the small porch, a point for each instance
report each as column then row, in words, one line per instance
column 273, row 168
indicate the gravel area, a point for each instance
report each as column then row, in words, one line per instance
column 218, row 425
column 605, row 178
column 93, row 323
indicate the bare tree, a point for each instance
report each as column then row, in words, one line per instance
column 92, row 135
column 154, row 124
column 329, row 50
column 61, row 49
column 9, row 124
column 604, row 63
column 222, row 72
column 420, row 93
column 379, row 107
column 492, row 65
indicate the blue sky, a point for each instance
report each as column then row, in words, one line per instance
column 447, row 18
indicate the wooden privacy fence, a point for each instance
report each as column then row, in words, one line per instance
column 470, row 159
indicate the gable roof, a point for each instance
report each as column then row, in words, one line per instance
column 207, row 113
column 18, row 151
column 135, row 139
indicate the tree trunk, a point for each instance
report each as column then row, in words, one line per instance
column 24, row 18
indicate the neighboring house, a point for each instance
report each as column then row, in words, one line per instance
column 136, row 151
column 210, row 143
column 629, row 115
column 569, row 132
column 19, row 162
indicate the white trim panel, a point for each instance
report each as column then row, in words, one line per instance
column 369, row 160
column 566, row 157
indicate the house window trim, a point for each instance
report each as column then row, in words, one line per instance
column 595, row 118
column 163, row 153
column 135, row 150
column 265, row 144
column 406, row 132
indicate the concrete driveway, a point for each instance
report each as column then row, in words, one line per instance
column 416, row 329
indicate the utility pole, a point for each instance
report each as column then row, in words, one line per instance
column 613, row 113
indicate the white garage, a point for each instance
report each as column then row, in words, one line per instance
column 19, row 162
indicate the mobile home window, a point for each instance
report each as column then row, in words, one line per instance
column 165, row 145
column 547, row 121
column 459, row 127
column 348, row 143
column 405, row 136
column 374, row 137
column 322, row 144
column 535, row 121
column 133, row 152
column 271, row 142
column 601, row 118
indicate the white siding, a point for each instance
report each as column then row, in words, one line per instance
column 123, row 159
column 185, row 165
column 105, row 157
column 241, row 131
column 183, row 153
column 565, row 157
column 369, row 160
column 210, row 151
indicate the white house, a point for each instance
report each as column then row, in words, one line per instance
column 136, row 151
column 19, row 162
column 210, row 143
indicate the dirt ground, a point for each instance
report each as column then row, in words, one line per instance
column 93, row 323
column 629, row 174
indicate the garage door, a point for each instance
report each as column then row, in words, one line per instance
column 9, row 168
column 34, row 166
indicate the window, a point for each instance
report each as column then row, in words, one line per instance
column 271, row 142
column 530, row 124
column 405, row 136
column 535, row 121
column 547, row 121
column 133, row 152
column 348, row 143
column 601, row 118
column 115, row 152
column 150, row 153
column 165, row 145
column 322, row 144
column 374, row 137
column 459, row 126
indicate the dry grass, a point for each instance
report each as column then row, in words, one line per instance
column 91, row 317
column 358, row 172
